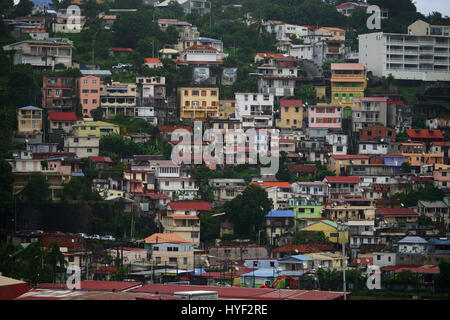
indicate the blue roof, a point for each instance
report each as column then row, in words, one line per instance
column 439, row 241
column 281, row 214
column 298, row 257
column 77, row 174
column 263, row 272
column 197, row 271
column 30, row 108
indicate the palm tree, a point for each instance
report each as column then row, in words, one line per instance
column 55, row 258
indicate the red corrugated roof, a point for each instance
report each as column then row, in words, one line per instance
column 270, row 55
column 62, row 116
column 395, row 212
column 188, row 206
column 152, row 60
column 201, row 47
column 122, row 49
column 100, row 159
column 424, row 134
column 348, row 156
column 344, row 179
column 274, row 184
column 291, row 103
column 96, row 285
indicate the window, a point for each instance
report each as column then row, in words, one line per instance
column 378, row 257
column 158, row 260
column 173, row 260
column 155, row 248
column 194, row 235
column 89, row 150
column 185, row 260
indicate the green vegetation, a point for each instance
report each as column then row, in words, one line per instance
column 247, row 211
column 411, row 198
column 304, row 237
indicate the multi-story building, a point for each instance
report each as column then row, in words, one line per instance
column 347, row 8
column 118, row 98
column 422, row 28
column 62, row 122
column 399, row 116
column 254, row 109
column 57, row 94
column 198, row 103
column 280, row 226
column 29, row 120
column 313, row 149
column 82, row 146
column 403, row 218
column 200, row 55
column 173, row 254
column 338, row 142
column 369, row 111
column 291, row 114
column 339, row 163
column 372, row 147
column 88, row 93
column 151, row 103
column 379, row 133
column 405, row 56
column 325, row 117
column 343, row 186
column 288, row 32
column 441, row 176
column 348, row 81
column 317, row 190
column 227, row 109
column 278, row 75
column 200, row 7
column 227, row 189
column 69, row 20
column 95, row 128
column 178, row 24
column 42, row 54
column 337, row 34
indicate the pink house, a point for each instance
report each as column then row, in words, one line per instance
column 88, row 92
column 325, row 117
column 65, row 166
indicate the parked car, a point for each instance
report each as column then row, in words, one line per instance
column 108, row 238
column 37, row 232
column 83, row 235
column 95, row 237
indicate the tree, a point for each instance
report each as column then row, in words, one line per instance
column 284, row 174
column 79, row 188
column 442, row 280
column 247, row 211
column 303, row 237
column 97, row 114
column 55, row 258
column 37, row 191
column 209, row 228
column 307, row 93
column 23, row 8
column 406, row 167
column 6, row 191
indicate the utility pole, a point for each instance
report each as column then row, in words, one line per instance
column 344, row 261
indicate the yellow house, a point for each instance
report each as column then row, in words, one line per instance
column 56, row 181
column 348, row 81
column 227, row 109
column 422, row 28
column 335, row 33
column 29, row 119
column 329, row 228
column 95, row 128
column 327, row 260
column 291, row 114
column 198, row 103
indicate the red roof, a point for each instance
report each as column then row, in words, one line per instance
column 348, row 156
column 172, row 128
column 96, row 285
column 424, row 134
column 201, row 47
column 100, row 159
column 152, row 60
column 122, row 49
column 346, row 4
column 274, row 184
column 244, row 293
column 291, row 103
column 395, row 212
column 347, row 66
column 156, row 196
column 441, row 143
column 62, row 116
column 270, row 55
column 305, row 248
column 188, row 206
column 344, row 179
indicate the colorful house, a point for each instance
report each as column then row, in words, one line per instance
column 348, row 81
column 330, row 229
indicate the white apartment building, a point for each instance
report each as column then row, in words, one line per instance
column 406, row 56
column 284, row 32
column 338, row 142
column 183, row 188
column 83, row 147
column 253, row 104
column 372, row 147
